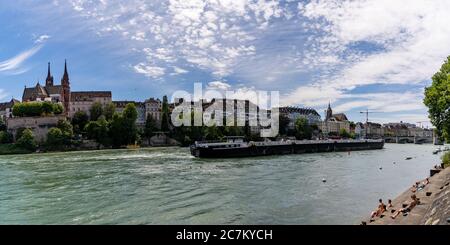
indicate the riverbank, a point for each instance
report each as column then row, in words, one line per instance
column 11, row 149
column 433, row 208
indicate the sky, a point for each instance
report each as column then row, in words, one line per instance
column 356, row 55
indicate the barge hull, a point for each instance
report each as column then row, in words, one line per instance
column 253, row 151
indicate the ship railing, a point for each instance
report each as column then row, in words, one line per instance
column 289, row 142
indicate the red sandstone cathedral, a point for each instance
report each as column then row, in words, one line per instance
column 72, row 101
column 55, row 93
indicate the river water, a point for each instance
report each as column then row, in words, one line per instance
column 168, row 186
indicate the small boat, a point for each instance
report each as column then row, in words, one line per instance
column 408, row 158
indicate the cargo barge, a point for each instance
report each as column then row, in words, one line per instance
column 237, row 147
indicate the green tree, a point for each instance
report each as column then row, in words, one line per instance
column 2, row 124
column 27, row 141
column 36, row 108
column 109, row 111
column 5, row 137
column 130, row 115
column 47, row 108
column 28, row 109
column 344, row 134
column 150, row 126
column 437, row 99
column 103, row 132
column 123, row 130
column 165, row 115
column 58, row 109
column 116, row 130
column 302, row 129
column 98, row 131
column 96, row 111
column 91, row 130
column 67, row 131
column 19, row 132
column 55, row 138
column 79, row 121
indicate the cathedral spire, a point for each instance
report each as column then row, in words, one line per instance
column 329, row 112
column 65, row 78
column 49, row 79
column 65, row 90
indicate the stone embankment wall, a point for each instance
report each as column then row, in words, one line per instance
column 39, row 125
column 434, row 207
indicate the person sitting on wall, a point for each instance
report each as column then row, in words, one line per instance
column 415, row 201
column 381, row 209
column 390, row 203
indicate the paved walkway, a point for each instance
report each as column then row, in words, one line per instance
column 432, row 210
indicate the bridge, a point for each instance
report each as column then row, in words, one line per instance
column 409, row 139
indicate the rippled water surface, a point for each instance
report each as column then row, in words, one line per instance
column 168, row 186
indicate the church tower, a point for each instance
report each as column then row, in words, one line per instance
column 65, row 90
column 329, row 112
column 49, row 79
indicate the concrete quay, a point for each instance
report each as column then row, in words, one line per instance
column 433, row 209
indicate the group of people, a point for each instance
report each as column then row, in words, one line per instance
column 381, row 208
column 414, row 202
column 419, row 186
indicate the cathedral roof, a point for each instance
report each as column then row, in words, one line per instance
column 340, row 117
column 34, row 92
column 57, row 89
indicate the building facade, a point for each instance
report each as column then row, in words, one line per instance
column 140, row 107
column 6, row 109
column 153, row 108
column 294, row 113
column 369, row 130
column 334, row 123
column 83, row 101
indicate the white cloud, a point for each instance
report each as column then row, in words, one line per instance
column 316, row 53
column 383, row 102
column 219, row 85
column 42, row 39
column 208, row 34
column 149, row 71
column 177, row 70
column 413, row 39
column 372, row 42
column 14, row 64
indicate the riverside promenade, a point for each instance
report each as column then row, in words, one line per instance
column 433, row 209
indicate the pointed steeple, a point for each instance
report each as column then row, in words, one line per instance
column 65, row 78
column 329, row 112
column 49, row 79
column 66, row 90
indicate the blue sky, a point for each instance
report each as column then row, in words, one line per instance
column 355, row 54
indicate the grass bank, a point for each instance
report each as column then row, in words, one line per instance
column 11, row 149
